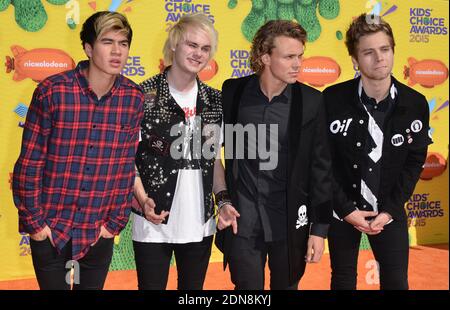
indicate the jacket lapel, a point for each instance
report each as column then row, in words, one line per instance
column 295, row 125
column 401, row 103
column 165, row 99
column 237, row 98
column 202, row 98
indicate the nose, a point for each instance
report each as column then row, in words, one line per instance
column 296, row 62
column 116, row 48
column 198, row 52
column 378, row 56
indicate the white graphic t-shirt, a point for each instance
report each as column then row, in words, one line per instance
column 186, row 218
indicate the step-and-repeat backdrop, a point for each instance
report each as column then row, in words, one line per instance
column 39, row 38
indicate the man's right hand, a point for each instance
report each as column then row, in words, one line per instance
column 228, row 216
column 149, row 211
column 43, row 234
column 358, row 219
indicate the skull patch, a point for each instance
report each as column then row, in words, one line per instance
column 302, row 218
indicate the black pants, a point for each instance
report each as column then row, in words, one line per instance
column 247, row 261
column 153, row 262
column 390, row 248
column 51, row 271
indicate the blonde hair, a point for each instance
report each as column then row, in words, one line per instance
column 264, row 40
column 178, row 31
column 99, row 23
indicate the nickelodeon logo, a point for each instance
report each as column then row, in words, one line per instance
column 427, row 72
column 319, row 71
column 38, row 63
column 434, row 166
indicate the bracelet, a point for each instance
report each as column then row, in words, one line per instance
column 221, row 204
column 222, row 198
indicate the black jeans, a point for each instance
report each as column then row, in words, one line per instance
column 51, row 271
column 247, row 261
column 153, row 263
column 390, row 248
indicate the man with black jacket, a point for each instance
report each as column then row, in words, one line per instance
column 278, row 207
column 379, row 137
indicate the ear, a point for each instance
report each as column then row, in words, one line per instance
column 265, row 59
column 88, row 49
column 173, row 46
column 355, row 62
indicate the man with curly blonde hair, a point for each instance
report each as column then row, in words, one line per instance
column 283, row 212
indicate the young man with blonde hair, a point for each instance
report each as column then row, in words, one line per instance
column 279, row 214
column 175, row 179
column 74, row 178
column 377, row 157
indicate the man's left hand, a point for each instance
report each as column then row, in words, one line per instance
column 378, row 222
column 104, row 233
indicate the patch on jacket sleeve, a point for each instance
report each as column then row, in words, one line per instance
column 302, row 217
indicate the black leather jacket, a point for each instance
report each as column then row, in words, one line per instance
column 157, row 168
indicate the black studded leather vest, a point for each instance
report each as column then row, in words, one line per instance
column 155, row 160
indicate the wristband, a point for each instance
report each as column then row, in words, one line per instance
column 222, row 198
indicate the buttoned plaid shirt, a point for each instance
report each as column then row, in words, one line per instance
column 75, row 171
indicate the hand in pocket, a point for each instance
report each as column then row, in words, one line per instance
column 104, row 233
column 43, row 234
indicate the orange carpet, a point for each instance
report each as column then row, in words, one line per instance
column 428, row 270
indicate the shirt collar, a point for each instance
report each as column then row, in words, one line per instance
column 391, row 97
column 393, row 90
column 285, row 95
column 80, row 75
